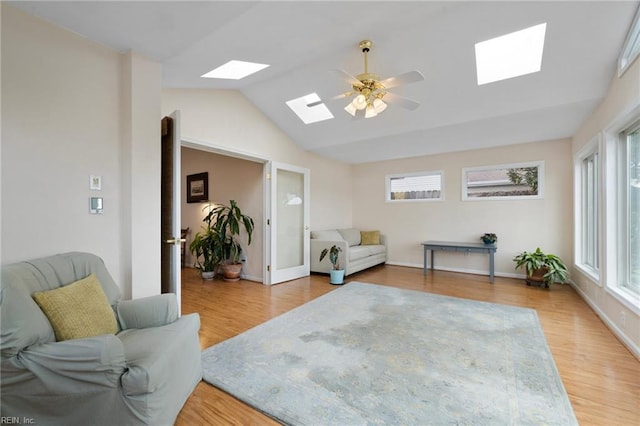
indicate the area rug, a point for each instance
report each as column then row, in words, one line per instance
column 367, row 354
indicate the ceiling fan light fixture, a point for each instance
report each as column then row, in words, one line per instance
column 379, row 105
column 360, row 102
column 370, row 111
column 351, row 109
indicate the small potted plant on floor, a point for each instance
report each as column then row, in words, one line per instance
column 227, row 221
column 207, row 250
column 336, row 272
column 542, row 268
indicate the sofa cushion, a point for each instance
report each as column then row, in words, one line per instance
column 369, row 238
column 377, row 249
column 78, row 310
column 358, row 252
column 351, row 236
column 328, row 235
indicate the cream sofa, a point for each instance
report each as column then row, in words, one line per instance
column 354, row 256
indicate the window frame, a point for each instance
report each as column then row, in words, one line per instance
column 612, row 220
column 541, row 178
column 388, row 178
column 591, row 149
column 631, row 47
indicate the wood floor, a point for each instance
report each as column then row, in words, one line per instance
column 600, row 375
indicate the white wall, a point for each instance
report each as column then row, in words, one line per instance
column 229, row 179
column 72, row 108
column 226, row 119
column 519, row 224
column 60, row 124
column 623, row 95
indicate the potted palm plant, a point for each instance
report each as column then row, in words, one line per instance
column 207, row 250
column 542, row 268
column 336, row 272
column 227, row 223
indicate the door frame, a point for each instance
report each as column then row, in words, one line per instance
column 207, row 146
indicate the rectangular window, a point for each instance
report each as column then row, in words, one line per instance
column 589, row 208
column 506, row 181
column 631, row 47
column 629, row 209
column 421, row 186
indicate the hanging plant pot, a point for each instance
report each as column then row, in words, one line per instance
column 231, row 271
column 337, row 276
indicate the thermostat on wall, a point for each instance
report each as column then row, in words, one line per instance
column 95, row 205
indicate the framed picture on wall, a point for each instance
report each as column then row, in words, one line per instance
column 198, row 187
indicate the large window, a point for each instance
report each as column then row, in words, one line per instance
column 421, row 186
column 621, row 207
column 629, row 206
column 505, row 181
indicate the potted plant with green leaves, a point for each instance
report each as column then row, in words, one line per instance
column 489, row 238
column 542, row 268
column 336, row 272
column 227, row 223
column 207, row 250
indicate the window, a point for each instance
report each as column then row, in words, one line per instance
column 590, row 211
column 506, row 181
column 631, row 48
column 422, row 186
column 629, row 209
column 621, row 207
column 587, row 202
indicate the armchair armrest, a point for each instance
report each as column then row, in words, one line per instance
column 152, row 311
column 325, row 266
column 70, row 367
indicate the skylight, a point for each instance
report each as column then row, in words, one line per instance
column 308, row 114
column 511, row 55
column 235, row 70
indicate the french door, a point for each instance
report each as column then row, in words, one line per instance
column 287, row 223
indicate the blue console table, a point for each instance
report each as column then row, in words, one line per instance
column 462, row 248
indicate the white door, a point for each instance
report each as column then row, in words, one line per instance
column 288, row 223
column 172, row 239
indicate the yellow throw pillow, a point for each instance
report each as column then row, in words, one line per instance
column 78, row 310
column 370, row 238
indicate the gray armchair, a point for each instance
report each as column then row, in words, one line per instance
column 141, row 375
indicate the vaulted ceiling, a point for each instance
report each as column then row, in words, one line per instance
column 302, row 41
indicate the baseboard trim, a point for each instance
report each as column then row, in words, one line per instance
column 460, row 270
column 635, row 350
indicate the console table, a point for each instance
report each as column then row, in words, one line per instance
column 462, row 248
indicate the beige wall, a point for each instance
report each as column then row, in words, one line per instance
column 72, row 108
column 519, row 224
column 226, row 120
column 623, row 96
column 229, row 179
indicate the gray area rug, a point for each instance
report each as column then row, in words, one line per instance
column 366, row 354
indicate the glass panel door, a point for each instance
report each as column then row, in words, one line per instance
column 289, row 223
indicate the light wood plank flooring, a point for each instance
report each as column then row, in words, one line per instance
column 600, row 375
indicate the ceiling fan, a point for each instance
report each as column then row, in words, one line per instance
column 370, row 90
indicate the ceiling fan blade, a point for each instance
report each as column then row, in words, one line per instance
column 348, row 77
column 406, row 78
column 407, row 103
column 333, row 98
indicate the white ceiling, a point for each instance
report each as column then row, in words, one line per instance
column 304, row 40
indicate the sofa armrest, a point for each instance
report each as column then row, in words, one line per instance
column 70, row 367
column 325, row 266
column 152, row 311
